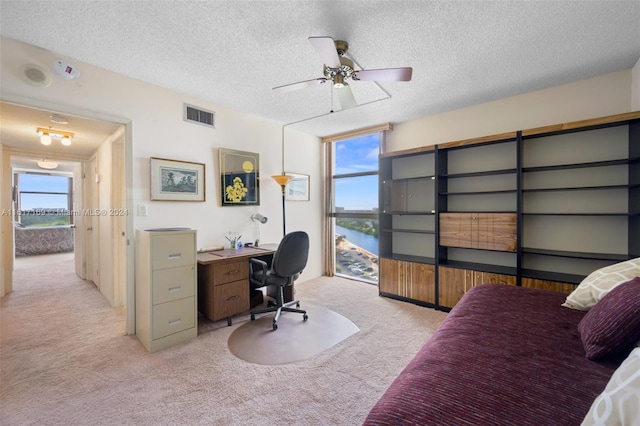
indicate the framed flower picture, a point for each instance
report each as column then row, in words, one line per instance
column 239, row 178
column 173, row 180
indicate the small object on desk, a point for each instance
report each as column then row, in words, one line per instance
column 248, row 245
column 212, row 248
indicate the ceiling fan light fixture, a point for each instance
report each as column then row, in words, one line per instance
column 66, row 141
column 338, row 81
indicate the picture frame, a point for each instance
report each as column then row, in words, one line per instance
column 239, row 177
column 298, row 188
column 174, row 180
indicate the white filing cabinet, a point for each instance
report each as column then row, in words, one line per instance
column 166, row 297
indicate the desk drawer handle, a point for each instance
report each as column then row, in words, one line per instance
column 230, row 298
column 175, row 255
column 175, row 288
column 235, row 271
column 175, row 321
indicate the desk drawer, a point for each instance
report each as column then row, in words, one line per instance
column 170, row 251
column 230, row 299
column 231, row 272
column 172, row 317
column 173, row 284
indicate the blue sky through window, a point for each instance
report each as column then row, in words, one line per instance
column 43, row 183
column 357, row 155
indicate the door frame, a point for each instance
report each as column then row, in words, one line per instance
column 6, row 282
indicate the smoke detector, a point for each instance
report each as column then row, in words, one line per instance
column 65, row 69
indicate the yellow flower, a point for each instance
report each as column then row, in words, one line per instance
column 237, row 191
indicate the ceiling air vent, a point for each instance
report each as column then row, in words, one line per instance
column 199, row 116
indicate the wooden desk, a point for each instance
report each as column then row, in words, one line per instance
column 223, row 280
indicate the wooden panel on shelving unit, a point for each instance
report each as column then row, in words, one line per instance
column 451, row 285
column 392, row 276
column 479, row 140
column 491, row 278
column 488, row 231
column 412, row 280
column 456, row 230
column 582, row 123
column 559, row 287
column 497, row 231
column 455, row 282
column 422, row 284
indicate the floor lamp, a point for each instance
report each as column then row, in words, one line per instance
column 283, row 180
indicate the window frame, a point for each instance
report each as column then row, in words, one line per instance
column 18, row 194
column 332, row 214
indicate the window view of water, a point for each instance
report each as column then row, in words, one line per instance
column 360, row 239
column 356, row 254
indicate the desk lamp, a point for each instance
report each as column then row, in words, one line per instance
column 257, row 217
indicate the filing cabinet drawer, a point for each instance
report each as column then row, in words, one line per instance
column 173, row 317
column 170, row 251
column 230, row 299
column 230, row 272
column 173, row 284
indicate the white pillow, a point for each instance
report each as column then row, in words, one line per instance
column 618, row 403
column 600, row 282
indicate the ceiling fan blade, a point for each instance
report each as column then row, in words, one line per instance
column 326, row 48
column 388, row 74
column 299, row 85
column 345, row 95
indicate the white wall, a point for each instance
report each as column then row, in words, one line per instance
column 595, row 97
column 159, row 131
column 3, row 221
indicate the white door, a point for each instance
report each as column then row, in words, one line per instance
column 91, row 222
column 79, row 222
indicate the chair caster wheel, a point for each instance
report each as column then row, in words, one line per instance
column 275, row 326
column 298, row 305
column 305, row 317
column 253, row 317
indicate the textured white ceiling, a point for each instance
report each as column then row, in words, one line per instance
column 232, row 53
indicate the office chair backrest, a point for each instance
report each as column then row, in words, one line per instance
column 291, row 256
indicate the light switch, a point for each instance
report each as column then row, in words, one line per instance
column 142, row 210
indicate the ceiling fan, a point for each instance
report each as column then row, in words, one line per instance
column 339, row 69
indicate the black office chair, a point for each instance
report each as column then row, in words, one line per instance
column 288, row 262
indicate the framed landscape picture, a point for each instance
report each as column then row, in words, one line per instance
column 173, row 180
column 298, row 188
column 239, row 178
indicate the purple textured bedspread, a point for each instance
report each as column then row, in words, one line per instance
column 504, row 356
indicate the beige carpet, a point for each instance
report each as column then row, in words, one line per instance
column 294, row 340
column 65, row 360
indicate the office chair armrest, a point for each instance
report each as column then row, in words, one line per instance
column 263, row 267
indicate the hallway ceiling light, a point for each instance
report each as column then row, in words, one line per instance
column 49, row 165
column 59, row 119
column 47, row 134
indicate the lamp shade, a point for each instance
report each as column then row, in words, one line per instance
column 257, row 217
column 282, row 180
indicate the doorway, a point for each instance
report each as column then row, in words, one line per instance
column 120, row 252
column 43, row 197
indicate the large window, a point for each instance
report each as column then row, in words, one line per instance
column 355, row 211
column 43, row 200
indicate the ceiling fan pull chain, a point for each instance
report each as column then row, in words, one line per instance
column 331, row 106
